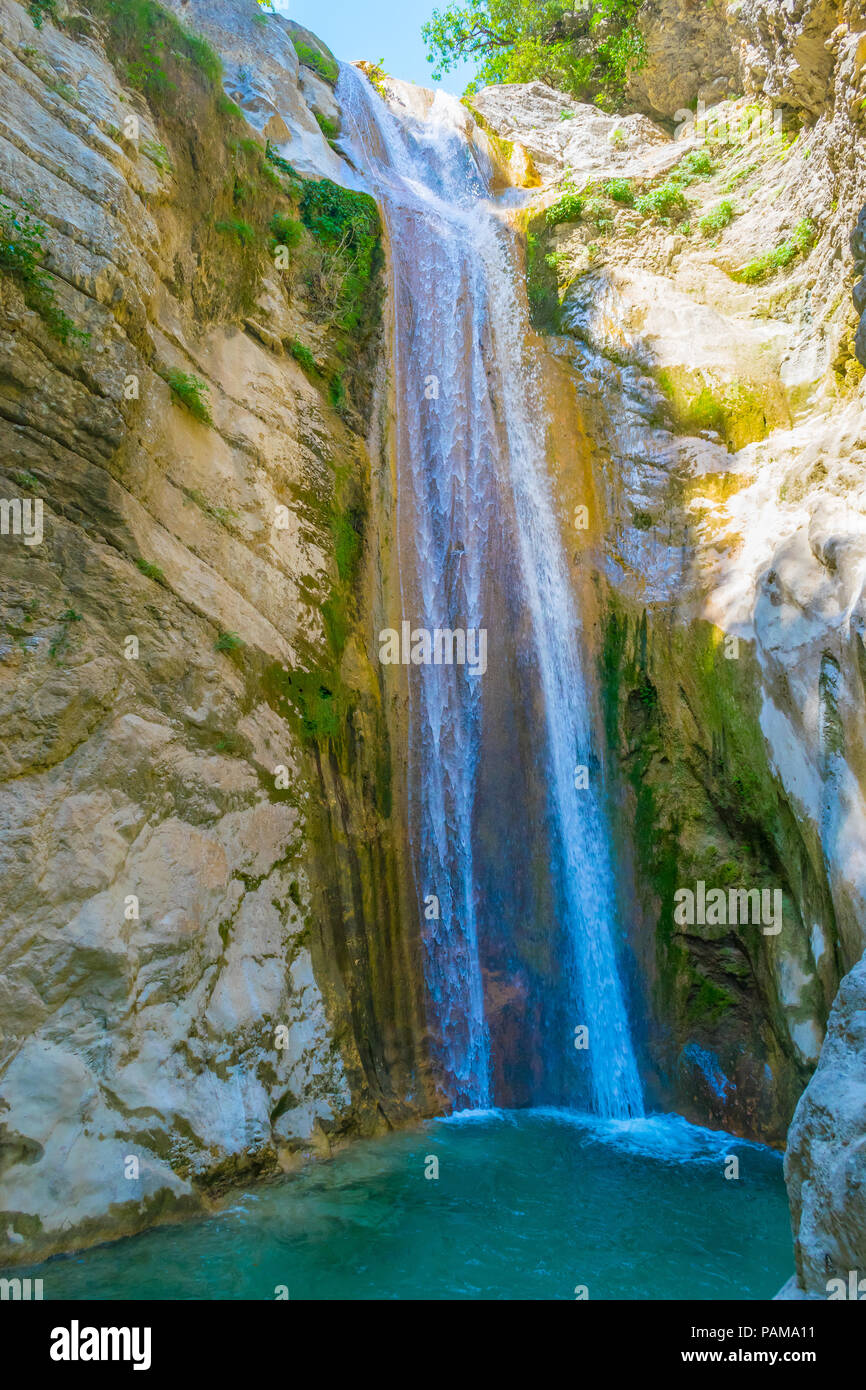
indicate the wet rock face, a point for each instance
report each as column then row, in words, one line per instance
column 196, row 889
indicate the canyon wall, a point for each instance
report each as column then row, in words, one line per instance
column 206, row 967
column 694, row 286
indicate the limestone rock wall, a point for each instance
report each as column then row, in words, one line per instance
column 201, row 903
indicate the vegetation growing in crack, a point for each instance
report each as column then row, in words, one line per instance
column 22, row 255
column 190, row 391
column 317, row 60
column 798, row 244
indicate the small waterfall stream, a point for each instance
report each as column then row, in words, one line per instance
column 476, row 530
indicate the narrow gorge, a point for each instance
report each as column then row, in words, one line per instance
column 433, row 661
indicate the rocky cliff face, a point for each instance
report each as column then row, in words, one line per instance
column 698, row 291
column 697, row 294
column 206, row 967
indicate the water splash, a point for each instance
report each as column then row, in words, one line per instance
column 471, row 470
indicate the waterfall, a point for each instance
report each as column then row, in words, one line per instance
column 476, row 514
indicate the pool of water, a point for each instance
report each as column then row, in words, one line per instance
column 526, row 1205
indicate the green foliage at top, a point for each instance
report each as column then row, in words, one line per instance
column 588, row 50
column 798, row 244
column 319, row 62
column 376, row 76
column 154, row 47
column 347, row 223
column 21, row 256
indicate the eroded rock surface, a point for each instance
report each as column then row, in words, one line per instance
column 199, row 856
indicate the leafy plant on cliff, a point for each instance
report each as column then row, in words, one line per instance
column 665, row 203
column 717, row 218
column 621, row 191
column 568, row 208
column 328, row 128
column 190, row 391
column 236, row 227
column 21, row 258
column 347, row 226
column 541, row 283
column 376, row 75
column 153, row 47
column 302, row 355
column 318, row 61
column 40, row 10
column 798, row 244
column 586, row 49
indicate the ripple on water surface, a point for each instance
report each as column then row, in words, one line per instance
column 528, row 1204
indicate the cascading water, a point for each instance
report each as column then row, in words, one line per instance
column 475, row 520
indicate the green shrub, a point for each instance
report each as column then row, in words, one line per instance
column 229, row 108
column 347, row 224
column 282, row 164
column 312, row 58
column 798, row 244
column 541, row 284
column 236, row 227
column 302, row 355
column 720, row 217
column 568, row 208
column 285, row 230
column 21, row 257
column 667, row 202
column 337, row 392
column 598, row 212
column 151, row 571
column 376, row 76
column 696, row 163
column 228, row 642
column 620, row 190
column 154, row 47
column 328, row 128
column 40, row 10
column 270, row 174
column 188, row 389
